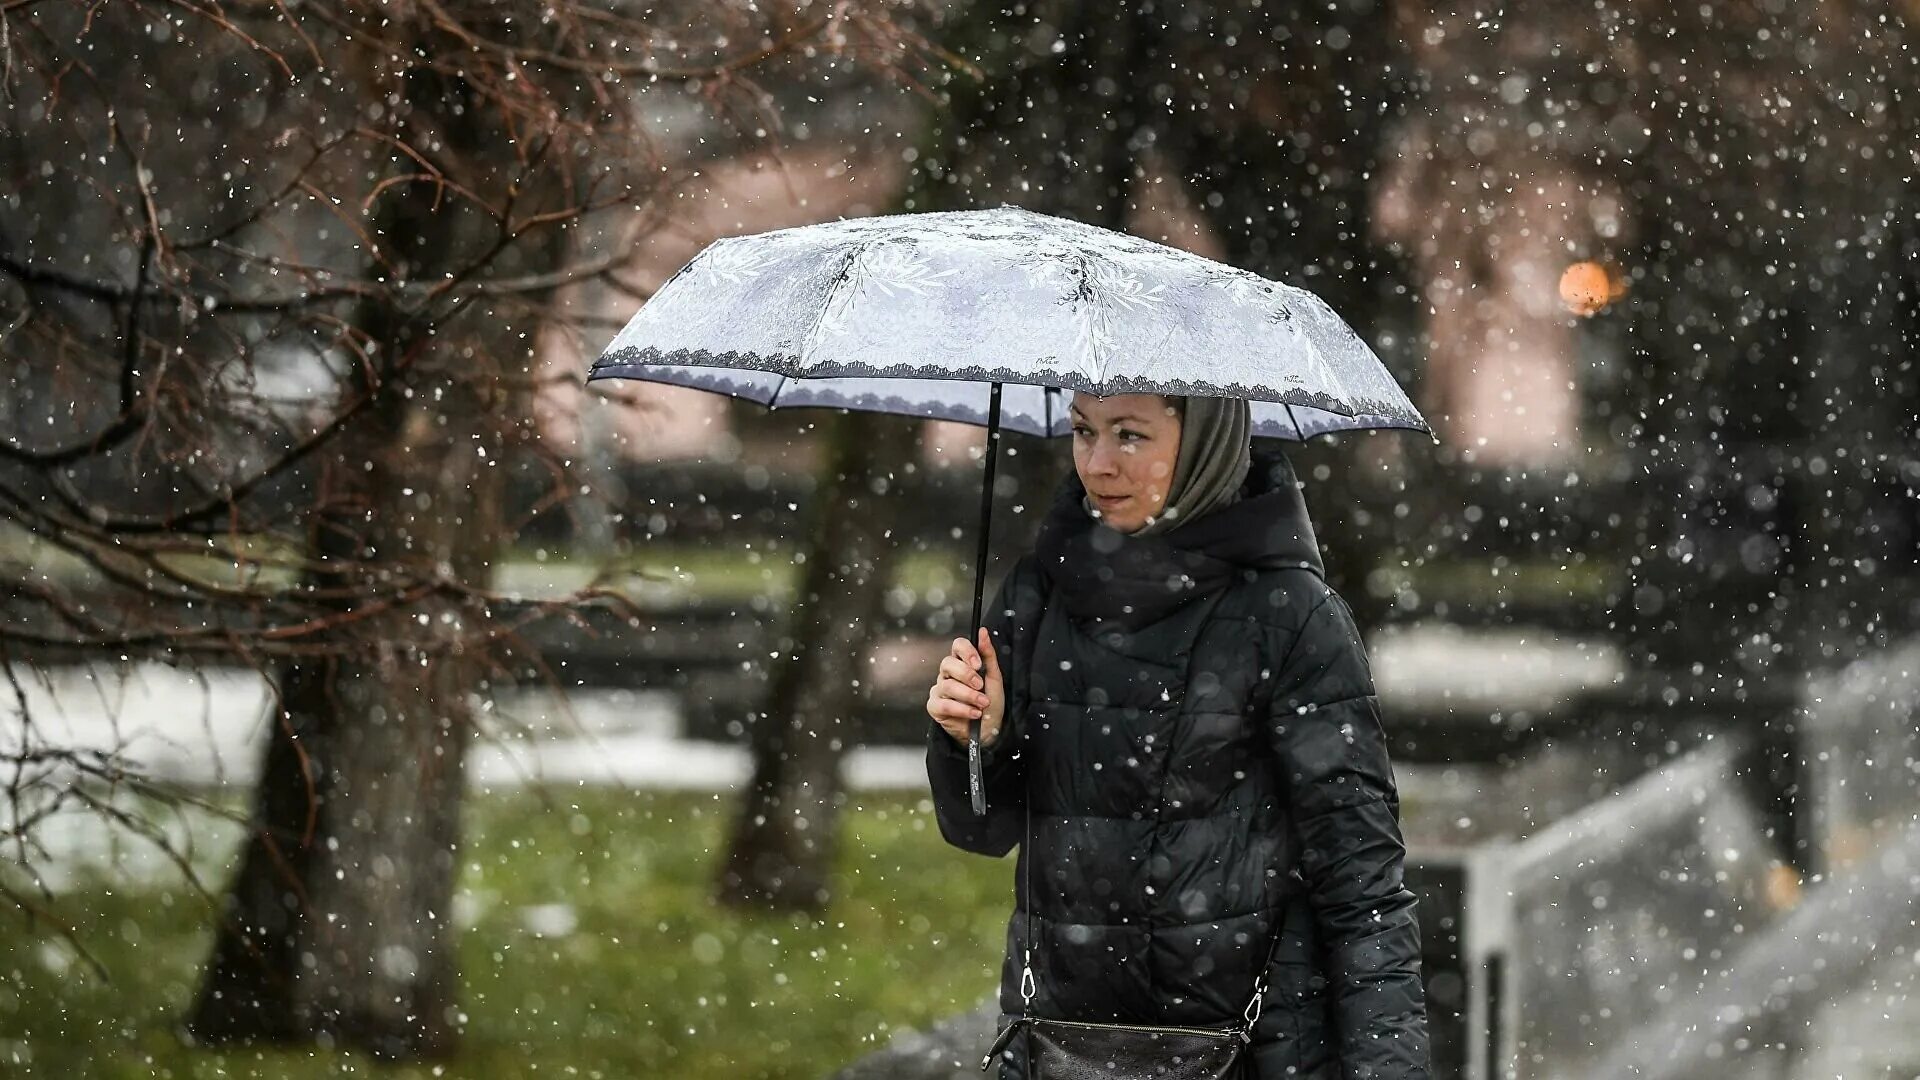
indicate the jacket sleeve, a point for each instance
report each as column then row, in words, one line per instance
column 1324, row 726
column 1009, row 619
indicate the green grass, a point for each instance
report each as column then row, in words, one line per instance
column 1483, row 582
column 652, row 574
column 667, row 574
column 654, row 981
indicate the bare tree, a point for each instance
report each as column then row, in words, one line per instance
column 268, row 278
column 786, row 835
column 1020, row 123
column 781, row 849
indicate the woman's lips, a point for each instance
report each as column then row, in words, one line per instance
column 1109, row 500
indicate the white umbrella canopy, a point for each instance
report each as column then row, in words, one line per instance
column 992, row 317
column 920, row 314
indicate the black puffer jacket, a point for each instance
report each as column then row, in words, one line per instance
column 1193, row 719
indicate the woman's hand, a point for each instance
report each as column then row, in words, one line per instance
column 960, row 694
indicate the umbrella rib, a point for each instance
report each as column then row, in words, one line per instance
column 773, row 399
column 833, row 292
column 1096, row 371
column 1330, row 376
column 1336, row 386
column 1299, row 433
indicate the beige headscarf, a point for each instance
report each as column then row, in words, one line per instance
column 1216, row 450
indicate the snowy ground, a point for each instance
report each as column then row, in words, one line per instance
column 208, row 729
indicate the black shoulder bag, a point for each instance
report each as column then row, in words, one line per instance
column 1079, row 1050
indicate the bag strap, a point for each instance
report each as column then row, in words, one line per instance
column 1251, row 1014
column 1026, row 877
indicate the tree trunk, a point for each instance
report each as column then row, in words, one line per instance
column 781, row 854
column 783, row 844
column 338, row 924
column 337, row 927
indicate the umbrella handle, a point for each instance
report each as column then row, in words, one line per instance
column 976, row 769
column 976, row 772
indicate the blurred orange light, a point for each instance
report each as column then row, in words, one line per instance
column 1588, row 287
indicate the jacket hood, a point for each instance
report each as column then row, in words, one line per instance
column 1109, row 576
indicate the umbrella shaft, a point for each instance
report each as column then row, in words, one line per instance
column 976, row 780
column 986, row 512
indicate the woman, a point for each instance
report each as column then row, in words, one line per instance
column 1189, row 708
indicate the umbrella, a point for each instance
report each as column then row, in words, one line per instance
column 991, row 317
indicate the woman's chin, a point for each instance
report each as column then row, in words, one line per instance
column 1124, row 516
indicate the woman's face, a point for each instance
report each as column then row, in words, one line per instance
column 1124, row 448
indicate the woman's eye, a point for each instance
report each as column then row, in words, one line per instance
column 1131, row 435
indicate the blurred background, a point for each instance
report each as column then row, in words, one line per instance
column 380, row 700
